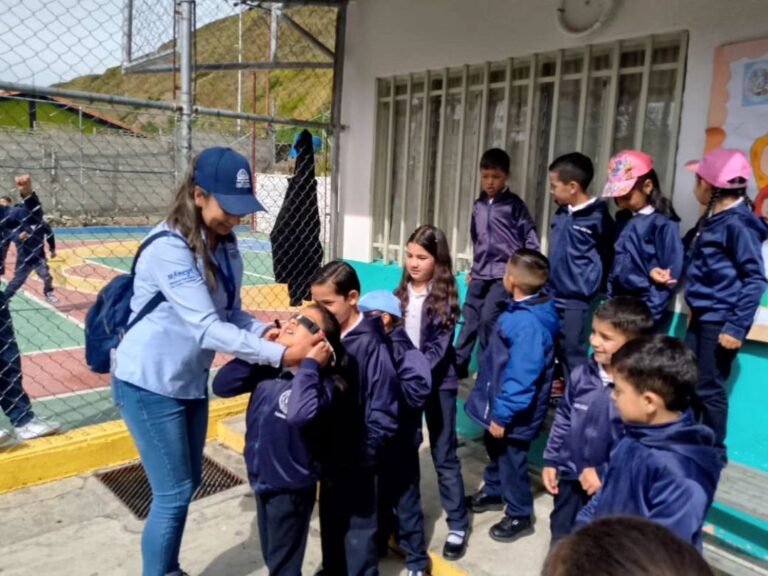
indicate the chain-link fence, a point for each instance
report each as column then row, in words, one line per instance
column 102, row 103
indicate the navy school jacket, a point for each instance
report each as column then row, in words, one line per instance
column 33, row 247
column 725, row 274
column 437, row 346
column 646, row 241
column 515, row 378
column 283, row 411
column 586, row 426
column 415, row 379
column 372, row 374
column 666, row 473
column 498, row 230
column 581, row 252
column 12, row 221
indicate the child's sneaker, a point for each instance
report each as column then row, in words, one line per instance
column 7, row 439
column 36, row 428
column 51, row 298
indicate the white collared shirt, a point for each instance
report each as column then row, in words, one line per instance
column 646, row 211
column 572, row 209
column 413, row 314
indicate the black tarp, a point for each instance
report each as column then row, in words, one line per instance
column 297, row 252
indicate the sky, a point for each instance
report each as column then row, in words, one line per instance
column 47, row 41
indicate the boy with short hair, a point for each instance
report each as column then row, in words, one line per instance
column 511, row 395
column 586, row 424
column 666, row 467
column 501, row 225
column 581, row 252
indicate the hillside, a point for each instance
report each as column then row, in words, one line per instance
column 303, row 94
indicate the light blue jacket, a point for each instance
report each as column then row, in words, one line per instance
column 170, row 351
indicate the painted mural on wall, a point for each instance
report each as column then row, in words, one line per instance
column 738, row 118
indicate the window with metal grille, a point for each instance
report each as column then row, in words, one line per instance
column 432, row 128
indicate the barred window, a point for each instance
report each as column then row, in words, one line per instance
column 432, row 128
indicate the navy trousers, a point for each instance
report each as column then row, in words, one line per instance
column 13, row 400
column 570, row 499
column 507, row 475
column 283, row 528
column 482, row 307
column 710, row 402
column 349, row 523
column 573, row 338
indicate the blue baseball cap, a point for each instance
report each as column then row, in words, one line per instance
column 227, row 175
column 381, row 301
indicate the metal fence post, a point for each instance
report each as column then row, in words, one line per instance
column 186, row 13
column 334, row 249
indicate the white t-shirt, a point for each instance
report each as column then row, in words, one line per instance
column 413, row 314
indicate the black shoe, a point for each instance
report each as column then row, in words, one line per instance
column 481, row 502
column 453, row 551
column 509, row 529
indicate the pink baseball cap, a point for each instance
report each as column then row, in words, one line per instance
column 720, row 166
column 623, row 171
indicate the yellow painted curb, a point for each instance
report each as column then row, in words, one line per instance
column 86, row 449
column 440, row 566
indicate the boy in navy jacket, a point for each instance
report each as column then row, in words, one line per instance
column 501, row 225
column 30, row 252
column 581, row 251
column 399, row 491
column 511, row 395
column 283, row 432
column 587, row 425
column 666, row 467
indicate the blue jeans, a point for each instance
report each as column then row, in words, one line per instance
column 170, row 435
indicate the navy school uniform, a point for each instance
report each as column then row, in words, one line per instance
column 499, row 228
column 282, row 414
column 436, row 343
column 348, row 491
column 513, row 389
column 400, row 495
column 585, row 429
column 580, row 257
column 12, row 220
column 30, row 253
column 725, row 279
column 646, row 240
column 665, row 473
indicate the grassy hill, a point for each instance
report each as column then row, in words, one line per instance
column 302, row 94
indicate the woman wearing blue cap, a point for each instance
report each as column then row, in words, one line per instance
column 161, row 369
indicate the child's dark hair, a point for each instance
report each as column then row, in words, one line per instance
column 531, row 270
column 661, row 204
column 443, row 299
column 630, row 316
column 718, row 193
column 340, row 275
column 622, row 546
column 495, row 158
column 659, row 364
column 7, row 199
column 332, row 332
column 574, row 167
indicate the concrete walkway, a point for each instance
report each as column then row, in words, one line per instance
column 78, row 528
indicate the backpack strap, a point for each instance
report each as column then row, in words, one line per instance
column 159, row 297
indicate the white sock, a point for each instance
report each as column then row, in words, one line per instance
column 456, row 536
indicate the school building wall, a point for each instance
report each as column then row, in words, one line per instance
column 402, row 36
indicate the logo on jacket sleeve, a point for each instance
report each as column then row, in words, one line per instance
column 282, row 405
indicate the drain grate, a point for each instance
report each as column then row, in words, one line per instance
column 131, row 486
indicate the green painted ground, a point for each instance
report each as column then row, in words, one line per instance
column 40, row 328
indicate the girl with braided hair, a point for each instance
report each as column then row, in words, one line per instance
column 725, row 278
